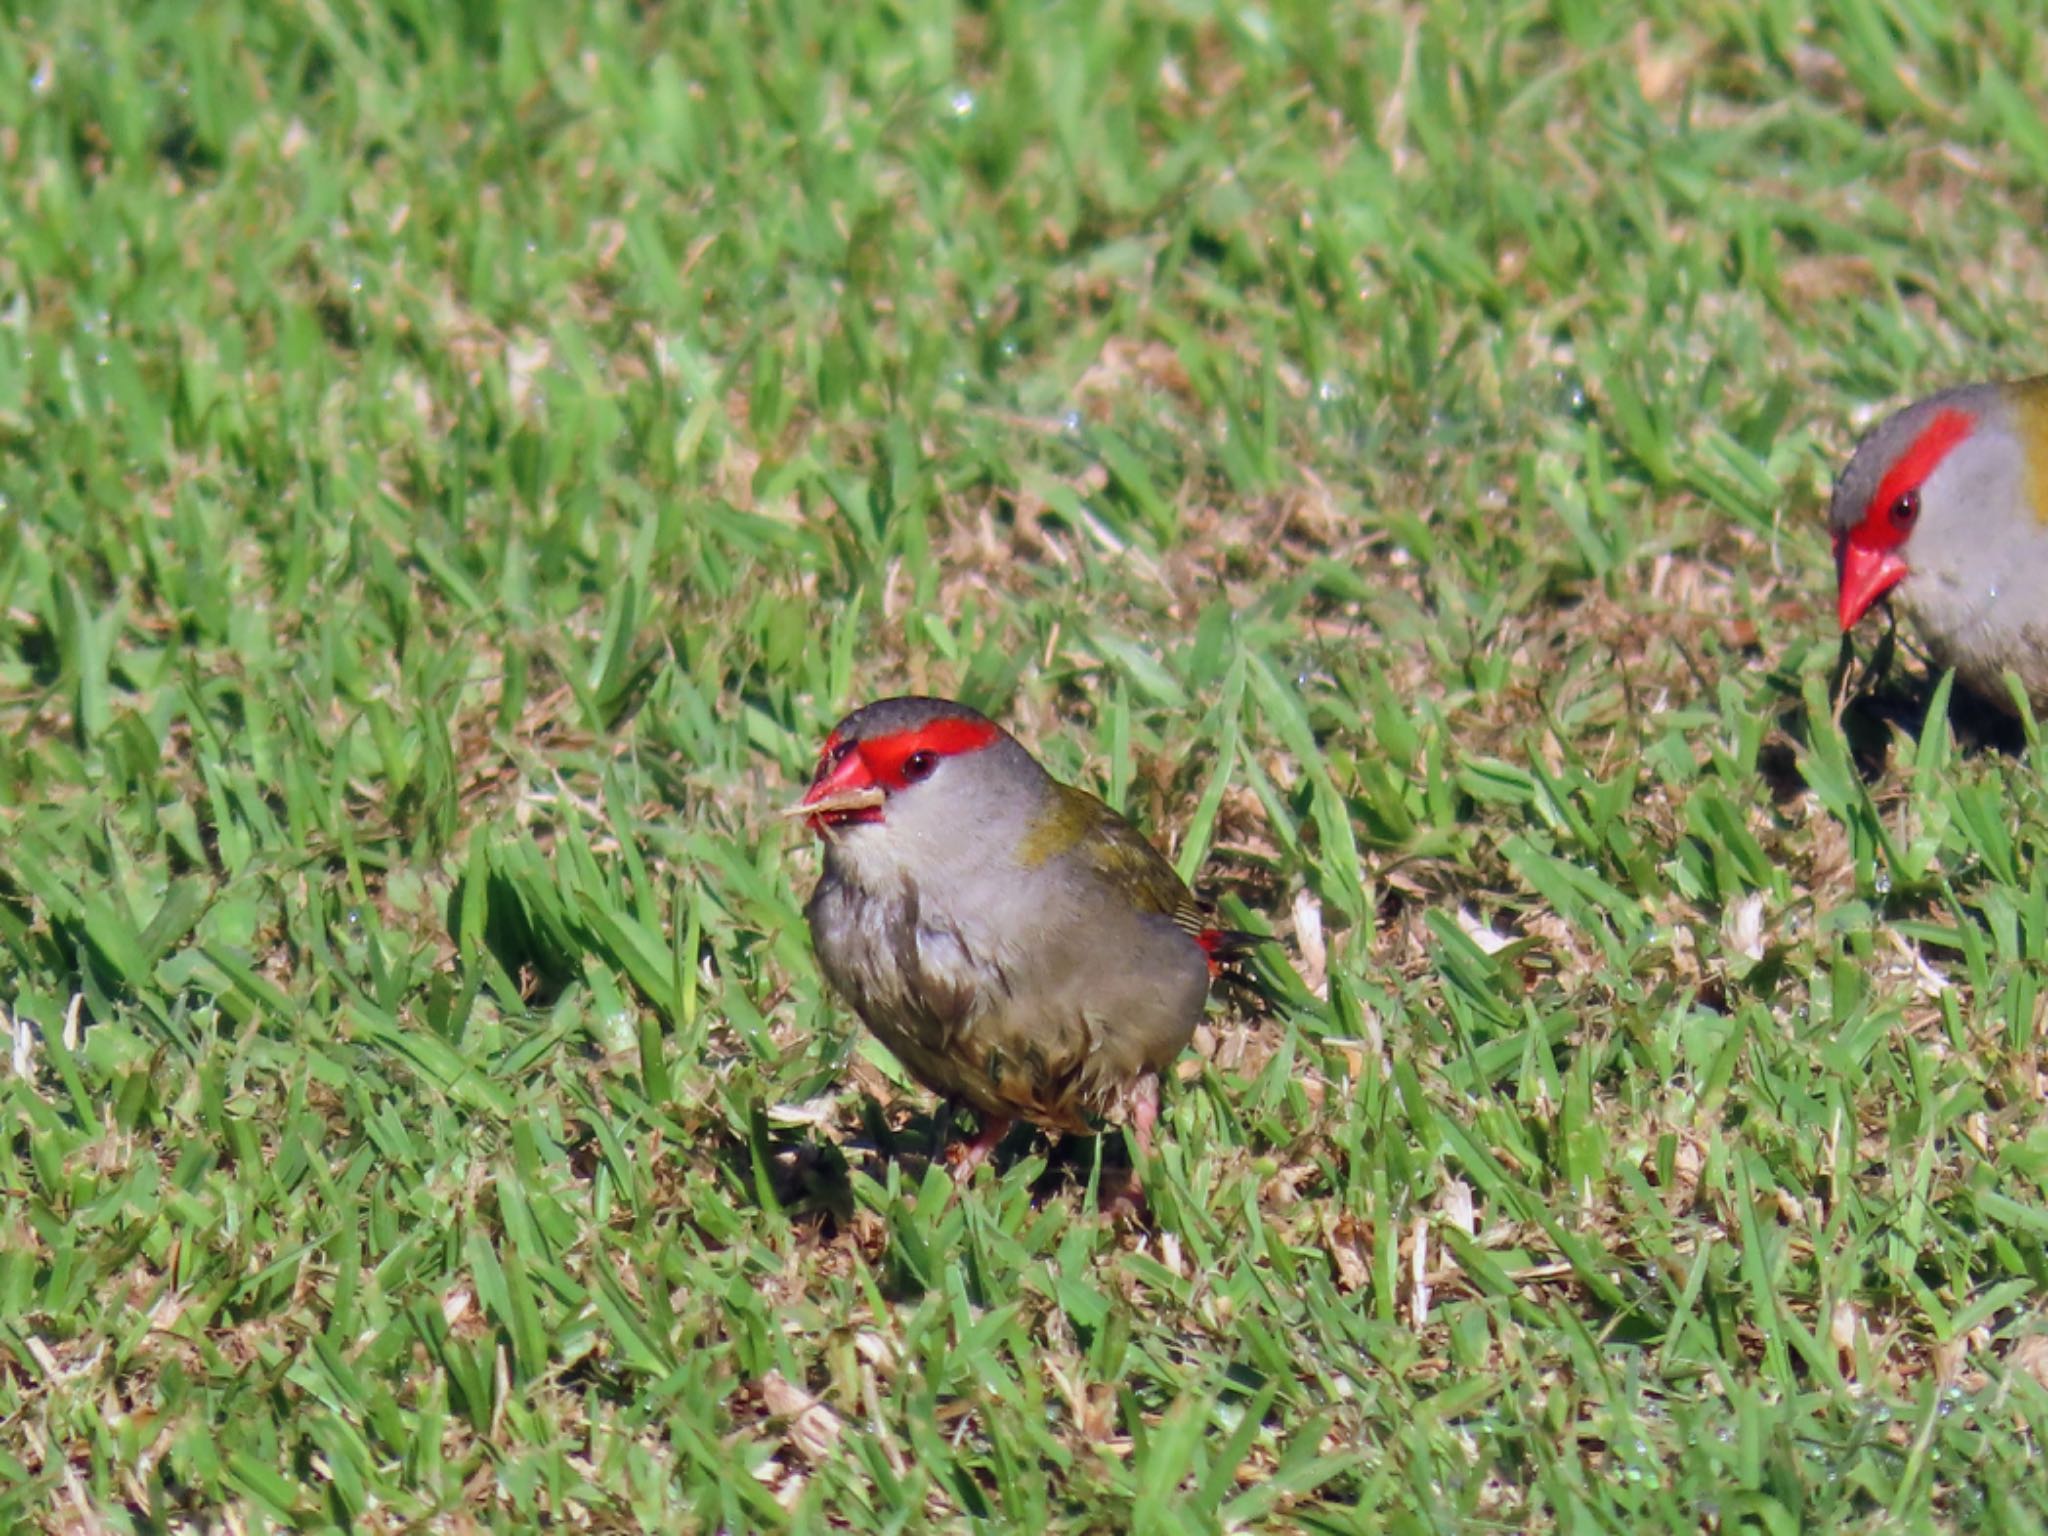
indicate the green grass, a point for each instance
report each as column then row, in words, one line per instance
column 458, row 460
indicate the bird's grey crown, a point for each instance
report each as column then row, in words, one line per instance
column 1880, row 447
column 905, row 712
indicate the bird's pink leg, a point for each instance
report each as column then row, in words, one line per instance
column 1145, row 1112
column 1127, row 1201
column 967, row 1156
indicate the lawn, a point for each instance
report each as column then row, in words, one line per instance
column 457, row 461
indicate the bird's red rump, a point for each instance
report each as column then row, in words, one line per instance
column 1224, row 946
column 1907, row 474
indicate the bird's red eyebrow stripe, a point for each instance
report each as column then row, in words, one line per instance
column 886, row 755
column 1919, row 461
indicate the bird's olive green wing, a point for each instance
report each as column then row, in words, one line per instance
column 1081, row 827
column 2029, row 403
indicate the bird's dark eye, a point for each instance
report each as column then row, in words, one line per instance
column 1905, row 509
column 919, row 765
column 835, row 754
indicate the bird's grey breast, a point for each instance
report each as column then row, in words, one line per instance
column 898, row 958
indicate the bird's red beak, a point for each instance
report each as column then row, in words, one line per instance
column 1864, row 573
column 843, row 791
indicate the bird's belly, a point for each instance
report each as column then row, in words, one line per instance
column 1985, row 642
column 958, row 1019
column 1985, row 622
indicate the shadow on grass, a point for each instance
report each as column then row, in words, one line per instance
column 1885, row 696
column 810, row 1176
column 1902, row 702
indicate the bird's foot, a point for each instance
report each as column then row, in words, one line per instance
column 1124, row 1201
column 965, row 1156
